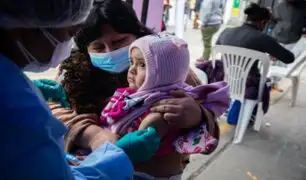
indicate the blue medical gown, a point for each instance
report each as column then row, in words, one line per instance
column 30, row 146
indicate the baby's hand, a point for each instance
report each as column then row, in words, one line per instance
column 101, row 138
column 157, row 121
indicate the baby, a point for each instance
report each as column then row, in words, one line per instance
column 160, row 64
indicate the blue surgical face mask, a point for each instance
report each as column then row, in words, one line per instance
column 115, row 62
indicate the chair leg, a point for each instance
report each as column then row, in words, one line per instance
column 295, row 86
column 258, row 120
column 244, row 119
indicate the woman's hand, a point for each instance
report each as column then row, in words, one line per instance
column 140, row 145
column 181, row 111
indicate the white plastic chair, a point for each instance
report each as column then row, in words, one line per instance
column 237, row 64
column 290, row 71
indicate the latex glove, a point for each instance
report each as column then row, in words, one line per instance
column 51, row 89
column 140, row 145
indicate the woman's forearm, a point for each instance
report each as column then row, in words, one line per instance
column 156, row 121
column 94, row 136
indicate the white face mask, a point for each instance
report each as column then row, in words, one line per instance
column 61, row 52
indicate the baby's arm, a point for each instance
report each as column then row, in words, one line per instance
column 157, row 121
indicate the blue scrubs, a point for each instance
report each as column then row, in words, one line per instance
column 30, row 146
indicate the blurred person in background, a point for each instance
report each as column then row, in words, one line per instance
column 197, row 7
column 166, row 7
column 289, row 18
column 192, row 4
column 211, row 18
column 250, row 36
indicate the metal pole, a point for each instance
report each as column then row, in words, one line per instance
column 272, row 5
column 179, row 19
column 144, row 13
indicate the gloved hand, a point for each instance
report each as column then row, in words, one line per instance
column 140, row 145
column 51, row 89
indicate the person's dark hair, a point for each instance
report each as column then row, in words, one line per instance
column 257, row 13
column 118, row 14
column 87, row 87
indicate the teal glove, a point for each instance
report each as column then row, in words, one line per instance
column 53, row 90
column 140, row 145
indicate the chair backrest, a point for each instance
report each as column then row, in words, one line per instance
column 237, row 64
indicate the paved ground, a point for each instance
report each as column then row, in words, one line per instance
column 277, row 152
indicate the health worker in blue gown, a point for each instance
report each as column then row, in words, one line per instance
column 37, row 35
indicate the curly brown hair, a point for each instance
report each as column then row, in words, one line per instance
column 87, row 87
